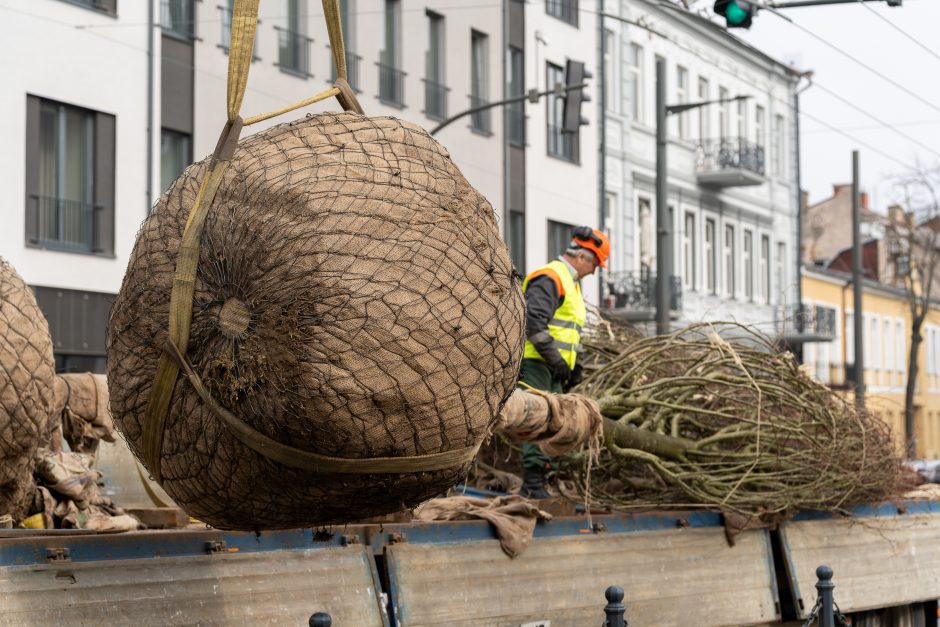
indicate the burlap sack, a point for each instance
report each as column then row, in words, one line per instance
column 353, row 299
column 27, row 375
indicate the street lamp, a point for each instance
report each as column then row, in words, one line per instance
column 664, row 240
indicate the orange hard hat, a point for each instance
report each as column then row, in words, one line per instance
column 593, row 240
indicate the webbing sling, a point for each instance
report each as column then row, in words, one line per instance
column 173, row 358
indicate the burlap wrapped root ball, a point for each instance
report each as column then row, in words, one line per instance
column 27, row 378
column 353, row 298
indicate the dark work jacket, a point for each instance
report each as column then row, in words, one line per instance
column 541, row 302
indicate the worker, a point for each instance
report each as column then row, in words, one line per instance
column 555, row 314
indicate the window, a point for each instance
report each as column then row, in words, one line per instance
column 875, row 347
column 226, row 22
column 559, row 236
column 105, row 6
column 611, row 84
column 176, row 18
column 759, row 121
column 711, row 258
column 849, row 338
column 560, row 144
column 779, row 147
column 564, row 10
column 645, row 230
column 292, row 43
column 515, row 112
column 479, row 80
column 610, row 221
column 435, row 91
column 900, row 344
column 742, row 120
column 347, row 13
column 781, row 270
column 888, row 348
column 765, row 269
column 682, row 96
column 704, row 128
column 517, row 240
column 723, row 115
column 69, row 177
column 391, row 78
column 688, row 252
column 175, row 154
column 635, row 83
column 747, row 257
column 730, row 261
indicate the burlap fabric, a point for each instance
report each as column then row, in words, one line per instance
column 353, row 298
column 82, row 402
column 559, row 423
column 513, row 517
column 27, row 375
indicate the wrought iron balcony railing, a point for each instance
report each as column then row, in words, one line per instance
column 808, row 323
column 352, row 70
column 480, row 121
column 636, row 291
column 729, row 153
column 435, row 99
column 293, row 51
column 64, row 224
column 391, row 85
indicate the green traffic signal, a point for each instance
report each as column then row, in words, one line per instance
column 737, row 13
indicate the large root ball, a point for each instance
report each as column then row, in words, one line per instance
column 353, row 298
column 27, row 379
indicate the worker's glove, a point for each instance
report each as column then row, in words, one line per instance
column 577, row 375
column 542, row 341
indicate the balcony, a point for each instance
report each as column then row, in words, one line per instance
column 632, row 295
column 61, row 224
column 480, row 120
column 352, row 70
column 435, row 99
column 729, row 162
column 391, row 85
column 799, row 324
column 293, row 54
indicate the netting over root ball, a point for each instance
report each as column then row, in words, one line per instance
column 353, row 299
column 27, row 377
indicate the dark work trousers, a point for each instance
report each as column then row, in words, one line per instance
column 537, row 375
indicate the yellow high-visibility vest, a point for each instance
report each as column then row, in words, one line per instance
column 568, row 320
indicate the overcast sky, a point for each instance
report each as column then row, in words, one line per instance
column 858, row 31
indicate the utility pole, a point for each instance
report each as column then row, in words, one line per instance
column 663, row 226
column 857, row 286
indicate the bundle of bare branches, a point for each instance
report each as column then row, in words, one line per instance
column 715, row 416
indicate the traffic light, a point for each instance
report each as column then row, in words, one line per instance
column 575, row 74
column 737, row 13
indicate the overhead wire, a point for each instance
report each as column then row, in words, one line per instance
column 901, row 30
column 828, row 126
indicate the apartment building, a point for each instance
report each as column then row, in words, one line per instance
column 886, row 324
column 132, row 92
column 733, row 178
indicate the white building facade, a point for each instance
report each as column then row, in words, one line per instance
column 732, row 189
column 100, row 123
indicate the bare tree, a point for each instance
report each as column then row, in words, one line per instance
column 914, row 239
